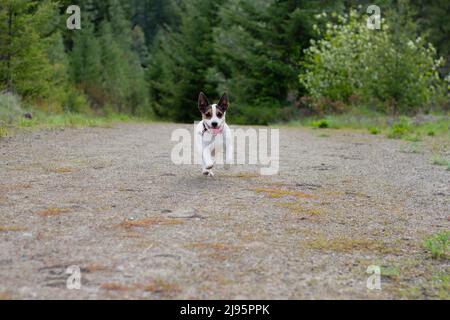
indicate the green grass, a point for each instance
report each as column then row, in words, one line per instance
column 13, row 109
column 323, row 135
column 70, row 120
column 414, row 147
column 3, row 131
column 404, row 128
column 438, row 245
column 321, row 124
column 440, row 161
column 355, row 120
column 400, row 130
column 442, row 284
column 390, row 272
column 375, row 131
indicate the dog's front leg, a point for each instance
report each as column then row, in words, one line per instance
column 208, row 161
column 201, row 150
column 204, row 145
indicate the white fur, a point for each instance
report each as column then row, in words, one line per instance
column 206, row 142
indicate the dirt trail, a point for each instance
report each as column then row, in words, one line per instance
column 111, row 202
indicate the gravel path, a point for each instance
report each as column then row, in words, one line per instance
column 110, row 201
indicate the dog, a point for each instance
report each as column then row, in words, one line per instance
column 212, row 125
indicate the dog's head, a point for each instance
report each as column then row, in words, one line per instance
column 213, row 114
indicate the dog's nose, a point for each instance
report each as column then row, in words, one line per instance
column 214, row 124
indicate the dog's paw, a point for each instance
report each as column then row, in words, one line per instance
column 208, row 173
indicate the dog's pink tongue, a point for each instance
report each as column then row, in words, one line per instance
column 217, row 131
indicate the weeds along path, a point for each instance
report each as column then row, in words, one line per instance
column 111, row 202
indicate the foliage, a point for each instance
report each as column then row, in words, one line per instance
column 400, row 129
column 374, row 131
column 28, row 37
column 321, row 124
column 406, row 128
column 107, row 60
column 3, row 130
column 178, row 67
column 438, row 245
column 384, row 68
column 10, row 108
column 440, row 161
column 146, row 57
column 69, row 120
column 432, row 18
column 257, row 59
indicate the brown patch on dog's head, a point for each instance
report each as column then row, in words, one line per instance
column 223, row 103
column 207, row 115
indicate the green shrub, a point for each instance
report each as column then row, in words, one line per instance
column 440, row 161
column 76, row 102
column 3, row 130
column 391, row 70
column 264, row 112
column 438, row 245
column 10, row 108
column 321, row 124
column 374, row 131
column 400, row 130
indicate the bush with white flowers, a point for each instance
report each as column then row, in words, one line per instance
column 383, row 68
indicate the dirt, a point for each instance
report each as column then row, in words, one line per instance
column 110, row 201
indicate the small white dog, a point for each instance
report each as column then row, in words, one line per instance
column 213, row 124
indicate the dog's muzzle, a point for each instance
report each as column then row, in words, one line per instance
column 213, row 131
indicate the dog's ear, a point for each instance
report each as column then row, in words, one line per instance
column 223, row 103
column 203, row 103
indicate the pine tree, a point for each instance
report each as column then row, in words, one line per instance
column 152, row 15
column 259, row 46
column 139, row 45
column 128, row 46
column 179, row 66
column 108, row 58
column 432, row 17
column 86, row 64
column 24, row 63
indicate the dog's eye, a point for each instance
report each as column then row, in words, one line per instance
column 208, row 115
column 219, row 115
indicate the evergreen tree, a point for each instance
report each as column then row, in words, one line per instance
column 260, row 44
column 108, row 57
column 124, row 60
column 152, row 15
column 139, row 45
column 432, row 18
column 179, row 66
column 86, row 64
column 27, row 34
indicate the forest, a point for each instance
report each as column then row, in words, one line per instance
column 278, row 59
